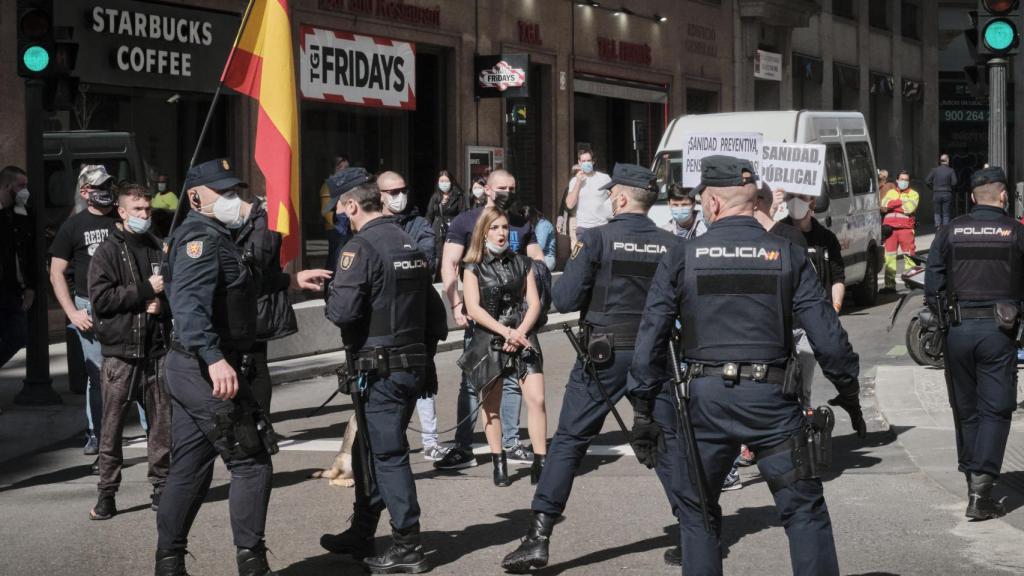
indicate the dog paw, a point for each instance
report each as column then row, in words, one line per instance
column 343, row 482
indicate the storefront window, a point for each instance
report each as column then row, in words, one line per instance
column 617, row 129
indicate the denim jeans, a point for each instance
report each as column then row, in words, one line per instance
column 511, row 404
column 93, row 355
column 428, row 421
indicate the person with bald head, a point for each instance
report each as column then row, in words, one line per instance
column 736, row 291
column 973, row 274
column 500, row 191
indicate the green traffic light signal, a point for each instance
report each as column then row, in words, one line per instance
column 999, row 35
column 36, row 58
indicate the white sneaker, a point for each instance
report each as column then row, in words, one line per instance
column 434, row 453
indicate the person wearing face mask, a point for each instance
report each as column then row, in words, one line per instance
column 71, row 251
column 974, row 265
column 686, row 221
column 500, row 192
column 477, row 191
column 165, row 198
column 383, row 301
column 736, row 291
column 446, row 203
column 213, row 289
column 16, row 255
column 900, row 207
column 133, row 326
column 587, row 195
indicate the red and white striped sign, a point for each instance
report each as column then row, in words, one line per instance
column 355, row 69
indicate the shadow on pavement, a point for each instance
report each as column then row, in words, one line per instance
column 334, row 407
column 1010, row 489
column 747, row 522
column 280, row 480
column 65, row 475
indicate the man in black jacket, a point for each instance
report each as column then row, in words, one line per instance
column 133, row 325
column 16, row 281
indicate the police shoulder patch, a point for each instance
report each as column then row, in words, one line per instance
column 346, row 260
column 576, row 250
column 194, row 249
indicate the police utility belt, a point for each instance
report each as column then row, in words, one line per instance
column 602, row 341
column 733, row 372
column 383, row 361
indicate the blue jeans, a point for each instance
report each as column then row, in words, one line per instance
column 469, row 402
column 93, row 355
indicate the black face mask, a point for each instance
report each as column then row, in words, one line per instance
column 101, row 198
column 502, row 200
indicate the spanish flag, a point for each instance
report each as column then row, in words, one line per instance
column 261, row 66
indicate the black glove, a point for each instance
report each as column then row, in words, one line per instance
column 646, row 439
column 852, row 407
column 429, row 386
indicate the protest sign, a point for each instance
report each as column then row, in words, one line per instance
column 699, row 145
column 796, row 168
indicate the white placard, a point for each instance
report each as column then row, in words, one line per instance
column 700, row 145
column 349, row 68
column 796, row 168
column 768, row 66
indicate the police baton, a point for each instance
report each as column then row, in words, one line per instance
column 588, row 365
column 681, row 386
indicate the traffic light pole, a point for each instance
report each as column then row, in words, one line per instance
column 38, row 387
column 997, row 112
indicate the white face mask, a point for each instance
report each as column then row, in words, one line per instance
column 444, row 186
column 397, row 203
column 161, row 186
column 798, row 208
column 21, row 198
column 228, row 210
column 478, row 191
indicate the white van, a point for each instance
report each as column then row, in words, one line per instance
column 849, row 202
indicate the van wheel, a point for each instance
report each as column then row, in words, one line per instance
column 866, row 293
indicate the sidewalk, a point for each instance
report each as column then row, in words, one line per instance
column 24, row 430
column 914, row 402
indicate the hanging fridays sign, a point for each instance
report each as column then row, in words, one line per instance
column 349, row 68
column 796, row 168
column 700, row 145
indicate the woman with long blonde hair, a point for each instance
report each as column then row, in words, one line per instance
column 501, row 298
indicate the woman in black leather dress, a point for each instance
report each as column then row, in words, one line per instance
column 501, row 298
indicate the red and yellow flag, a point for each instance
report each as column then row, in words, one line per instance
column 261, row 67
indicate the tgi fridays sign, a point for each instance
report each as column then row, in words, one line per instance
column 700, row 145
column 142, row 44
column 355, row 69
column 504, row 75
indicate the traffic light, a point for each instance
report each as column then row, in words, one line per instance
column 998, row 27
column 35, row 38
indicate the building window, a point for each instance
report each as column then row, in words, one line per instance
column 878, row 14
column 910, row 20
column 844, row 8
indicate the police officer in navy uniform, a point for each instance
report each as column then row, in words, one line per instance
column 976, row 263
column 383, row 301
column 213, row 294
column 736, row 291
column 607, row 279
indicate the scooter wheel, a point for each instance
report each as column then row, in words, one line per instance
column 918, row 345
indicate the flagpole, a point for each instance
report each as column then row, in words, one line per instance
column 183, row 202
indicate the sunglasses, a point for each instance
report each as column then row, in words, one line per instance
column 395, row 191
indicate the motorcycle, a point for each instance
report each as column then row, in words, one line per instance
column 923, row 340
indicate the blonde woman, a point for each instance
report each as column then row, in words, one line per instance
column 501, row 298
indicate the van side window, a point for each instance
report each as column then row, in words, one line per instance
column 668, row 168
column 862, row 170
column 835, row 172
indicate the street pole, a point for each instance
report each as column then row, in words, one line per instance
column 997, row 112
column 38, row 387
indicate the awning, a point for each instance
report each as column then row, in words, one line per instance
column 620, row 89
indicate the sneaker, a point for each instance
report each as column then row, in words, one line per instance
column 456, row 459
column 747, row 457
column 732, row 481
column 92, row 446
column 434, row 453
column 520, row 454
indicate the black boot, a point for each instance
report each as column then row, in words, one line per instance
column 253, row 561
column 537, row 468
column 170, row 563
column 500, row 462
column 405, row 556
column 533, row 550
column 105, row 507
column 980, row 504
column 674, row 556
column 357, row 540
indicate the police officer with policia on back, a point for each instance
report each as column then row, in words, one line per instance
column 736, row 290
column 383, row 301
column 973, row 282
column 607, row 279
column 213, row 291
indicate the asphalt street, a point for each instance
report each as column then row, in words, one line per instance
column 889, row 516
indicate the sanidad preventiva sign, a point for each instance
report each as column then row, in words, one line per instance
column 349, row 68
column 502, row 75
column 130, row 43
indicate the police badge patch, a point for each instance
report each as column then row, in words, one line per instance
column 194, row 249
column 346, row 260
column 576, row 250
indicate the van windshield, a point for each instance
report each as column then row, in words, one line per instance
column 668, row 168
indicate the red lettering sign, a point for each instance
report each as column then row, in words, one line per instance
column 626, row 52
column 529, row 32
